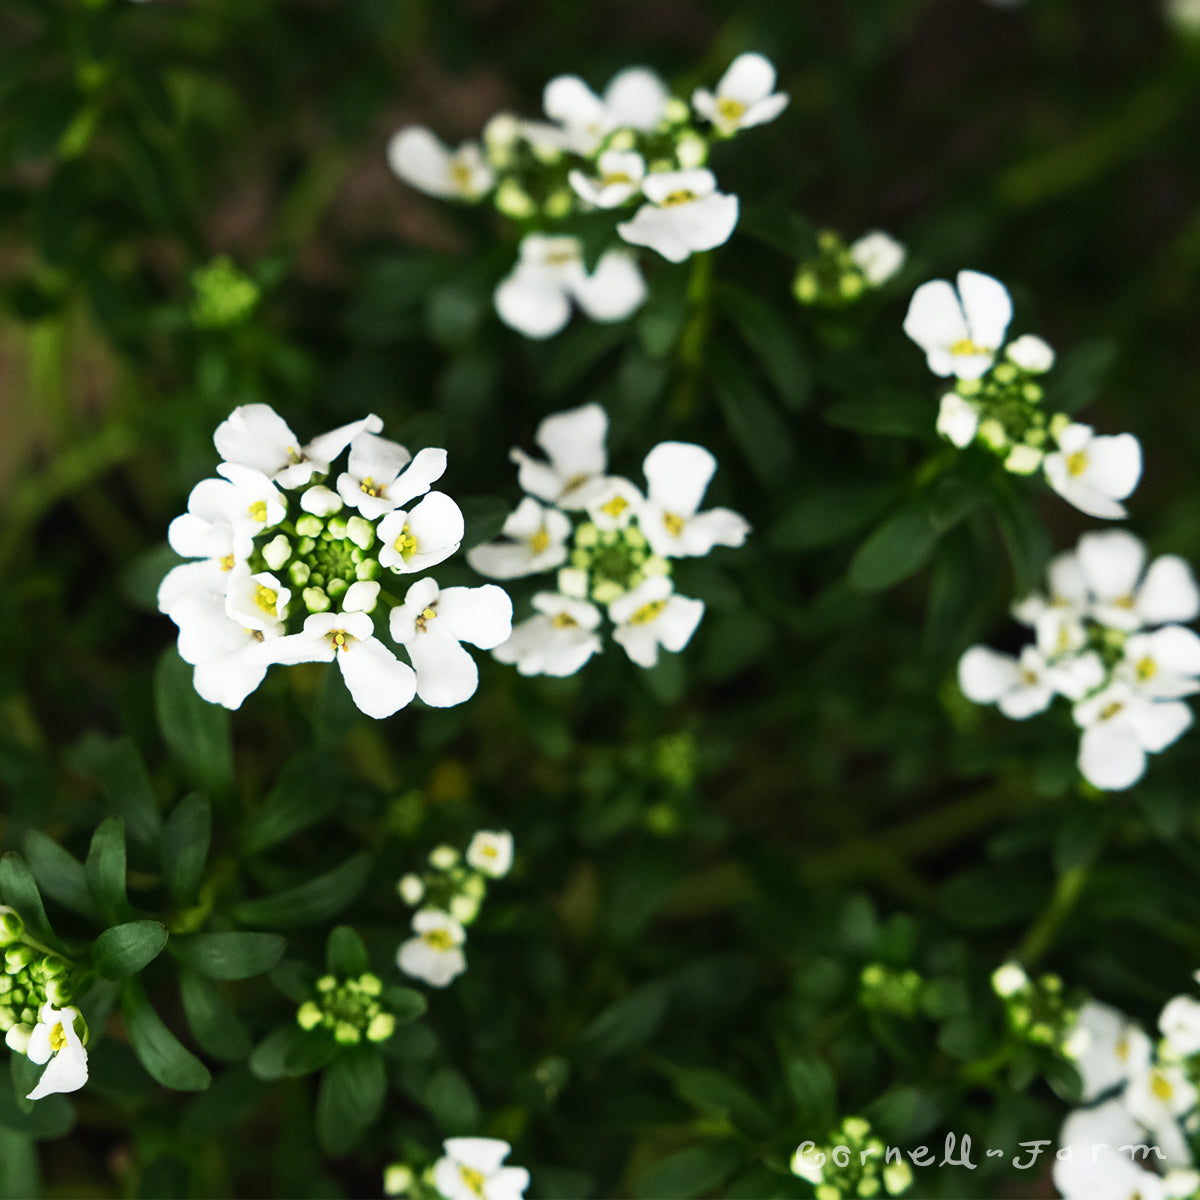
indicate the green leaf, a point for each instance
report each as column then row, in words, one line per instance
column 405, row 1004
column 218, row 1030
column 125, row 949
column 897, row 549
column 290, row 1051
column 887, row 414
column 185, row 841
column 117, row 767
column 105, row 869
column 761, row 433
column 350, row 1098
column 196, row 732
column 49, row 1118
column 630, row 1022
column 811, row 1083
column 451, row 1102
column 229, row 955
column 59, row 873
column 1079, row 374
column 165, row 1058
column 776, row 224
column 774, row 342
column 19, row 1174
column 830, row 516
column 716, row 1095
column 1025, row 536
column 308, row 903
column 305, row 793
column 345, row 954
column 19, row 890
column 690, row 1172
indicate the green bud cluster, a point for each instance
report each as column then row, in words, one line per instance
column 1038, row 1010
column 832, row 279
column 224, row 296
column 614, row 561
column 351, row 1009
column 886, row 989
column 450, row 886
column 852, row 1163
column 32, row 977
column 1012, row 423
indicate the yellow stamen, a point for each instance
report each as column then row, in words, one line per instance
column 673, row 523
column 426, row 616
column 1121, row 1049
column 966, row 346
column 58, row 1037
column 1146, row 669
column 677, row 197
column 258, row 510
column 1110, row 710
column 560, row 258
column 539, row 541
column 731, row 109
column 460, row 177
column 294, row 455
column 564, row 620
column 648, row 612
column 368, row 487
column 1028, row 678
column 614, row 178
column 227, row 563
column 439, row 939
column 1077, row 463
column 405, row 545
column 340, row 639
column 1160, row 1085
column 266, row 598
column 1125, row 601
column 615, row 507
column 488, row 851
column 472, row 1178
column 1064, row 639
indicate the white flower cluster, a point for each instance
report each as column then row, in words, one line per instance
column 996, row 401
column 450, row 896
column 842, row 274
column 1108, row 638
column 293, row 561
column 616, row 552
column 471, row 1168
column 634, row 148
column 1148, row 1103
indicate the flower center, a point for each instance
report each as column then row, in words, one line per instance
column 1029, row 678
column 539, row 541
column 673, row 523
column 439, row 939
column 1126, row 601
column 427, row 615
column 339, row 639
column 258, row 510
column 1160, row 1085
column 648, row 612
column 406, row 544
column 730, row 109
column 266, row 598
column 615, row 507
column 560, row 258
column 1110, row 710
column 460, row 177
column 472, row 1178
column 1077, row 463
column 564, row 620
column 58, row 1038
column 677, row 197
column 1147, row 668
column 967, row 346
column 227, row 563
column 615, row 177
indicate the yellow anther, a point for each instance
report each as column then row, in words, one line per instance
column 615, row 507
column 1160, row 1085
column 1147, row 668
column 1077, row 463
column 1029, row 678
column 966, row 346
column 1121, row 1049
column 258, row 510
column 564, row 620
column 460, row 177
column 648, row 612
column 266, row 598
column 560, row 258
column 427, row 615
column 539, row 541
column 368, row 487
column 1126, row 601
column 340, row 639
column 227, row 563
column 406, row 544
column 673, row 523
column 473, row 1179
column 58, row 1037
column 731, row 109
column 614, row 178
column 294, row 455
column 1110, row 710
column 677, row 197
column 439, row 939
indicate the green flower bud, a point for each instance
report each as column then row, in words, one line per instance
column 308, row 1016
column 806, row 287
column 315, row 600
column 559, row 204
column 443, row 857
column 382, row 1026
column 361, row 532
column 299, row 573
column 346, row 1034
column 17, row 1037
column 12, row 928
column 513, row 201
column 308, row 526
column 277, row 551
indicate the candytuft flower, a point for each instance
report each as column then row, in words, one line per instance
column 491, row 853
column 960, row 331
column 634, row 99
column 574, row 445
column 56, row 1041
column 651, row 616
column 435, row 954
column 745, row 96
column 557, row 641
column 685, row 214
column 472, row 1169
column 677, row 474
column 420, row 159
column 1094, row 473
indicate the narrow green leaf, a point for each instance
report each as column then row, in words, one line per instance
column 105, row 870
column 405, row 1004
column 218, row 1030
column 451, row 1102
column 897, row 549
column 165, row 1058
column 716, row 1095
column 1024, row 534
column 774, row 341
column 690, row 1172
column 117, row 767
column 350, row 1098
column 305, row 793
column 59, row 873
column 629, row 1022
column 196, row 732
column 345, row 954
column 49, row 1118
column 229, row 955
column 830, row 516
column 755, row 423
column 19, row 890
column 125, row 949
column 812, row 1086
column 308, row 903
column 886, row 414
column 185, row 842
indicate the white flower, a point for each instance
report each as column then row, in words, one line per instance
column 56, row 1041
column 1113, row 1050
column 378, row 681
column 1120, row 727
column 382, row 475
column 1111, row 563
column 745, row 96
column 652, row 615
column 257, row 602
column 1163, row 665
column 1018, row 687
column 558, row 641
column 614, row 502
column 432, row 624
column 417, row 540
column 535, row 298
column 491, row 853
column 255, row 435
column 686, row 214
column 537, row 542
column 574, row 444
column 1091, row 1164
column 1179, row 1023
column 878, row 256
column 961, row 331
column 677, row 474
column 620, row 179
column 1094, row 473
column 634, row 99
column 209, row 529
column 1030, row 353
column 435, row 954
column 1158, row 1098
column 958, row 419
column 471, row 1170
column 420, row 159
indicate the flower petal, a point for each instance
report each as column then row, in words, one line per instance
column 446, row 673
column 635, row 98
column 987, row 307
column 479, row 615
column 377, row 680
column 1169, row 592
column 532, row 301
column 255, row 435
column 1111, row 562
column 614, row 290
column 1111, row 756
column 984, row 675
column 935, row 321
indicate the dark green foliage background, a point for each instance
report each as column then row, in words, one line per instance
column 662, row 999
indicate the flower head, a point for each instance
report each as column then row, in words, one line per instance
column 634, row 99
column 56, row 1041
column 745, row 96
column 653, row 615
column 491, row 853
column 960, row 331
column 471, row 1169
column 435, row 954
column 685, row 214
column 1094, row 473
column 420, row 159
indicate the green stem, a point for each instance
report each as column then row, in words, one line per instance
column 1041, row 933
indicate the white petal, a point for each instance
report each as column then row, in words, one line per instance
column 532, row 301
column 1031, row 353
column 1169, row 592
column 427, row 467
column 325, row 447
column 510, row 560
column 662, row 184
column 420, row 159
column 479, row 615
column 191, row 579
column 764, row 111
column 377, row 680
column 67, row 1071
column 1025, row 701
column 957, row 419
column 1110, row 756
column 677, row 476
column 1111, row 562
column 227, row 681
column 446, row 673
column 1084, row 497
column 1115, row 464
column 255, row 435
column 748, row 79
column 403, row 620
column 713, row 527
column 614, row 290
column 569, row 100
column 481, row 1154
column 635, row 98
column 985, row 675
column 935, row 321
column 987, row 306
column 377, row 458
column 1157, row 723
column 574, row 441
column 878, row 255
column 678, row 621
